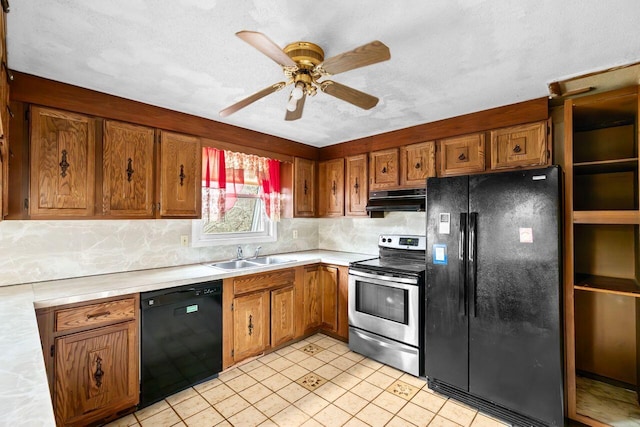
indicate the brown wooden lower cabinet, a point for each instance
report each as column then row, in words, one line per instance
column 282, row 315
column 250, row 325
column 325, row 300
column 92, row 359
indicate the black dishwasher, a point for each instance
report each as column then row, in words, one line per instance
column 181, row 339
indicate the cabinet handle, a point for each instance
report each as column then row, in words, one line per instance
column 384, row 169
column 10, row 112
column 418, row 165
column 64, row 165
column 94, row 315
column 99, row 373
column 306, row 188
column 356, row 186
column 334, row 188
column 129, row 169
column 517, row 149
column 250, row 325
column 462, row 156
column 182, row 175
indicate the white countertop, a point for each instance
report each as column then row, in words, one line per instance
column 24, row 391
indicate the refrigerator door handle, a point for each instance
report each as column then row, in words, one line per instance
column 462, row 277
column 471, row 274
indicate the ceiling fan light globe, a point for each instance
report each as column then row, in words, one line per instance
column 297, row 92
column 292, row 104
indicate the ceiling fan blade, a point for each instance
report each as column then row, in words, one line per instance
column 297, row 113
column 250, row 99
column 370, row 53
column 351, row 95
column 265, row 45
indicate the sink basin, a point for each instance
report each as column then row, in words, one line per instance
column 238, row 264
column 265, row 260
column 233, row 265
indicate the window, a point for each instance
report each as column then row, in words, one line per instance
column 240, row 199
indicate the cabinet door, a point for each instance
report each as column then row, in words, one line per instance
column 519, row 146
column 329, row 290
column 343, row 302
column 251, row 325
column 4, row 119
column 312, row 306
column 383, row 169
column 127, row 186
column 62, row 164
column 461, row 155
column 356, row 186
column 282, row 317
column 304, row 174
column 331, row 188
column 180, row 170
column 96, row 373
column 417, row 163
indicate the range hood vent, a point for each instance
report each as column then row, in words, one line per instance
column 411, row 200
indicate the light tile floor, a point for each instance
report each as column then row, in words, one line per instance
column 314, row 382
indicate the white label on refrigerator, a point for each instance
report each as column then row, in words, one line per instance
column 444, row 224
column 526, row 235
column 440, row 254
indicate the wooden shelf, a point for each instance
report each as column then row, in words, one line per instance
column 607, row 217
column 611, row 285
column 606, row 166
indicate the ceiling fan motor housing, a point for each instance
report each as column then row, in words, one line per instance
column 306, row 55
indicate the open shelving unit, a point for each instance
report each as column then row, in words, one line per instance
column 602, row 251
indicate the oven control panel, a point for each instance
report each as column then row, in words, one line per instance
column 401, row 241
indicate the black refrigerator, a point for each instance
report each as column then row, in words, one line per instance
column 493, row 335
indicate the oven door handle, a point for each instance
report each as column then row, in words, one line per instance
column 390, row 280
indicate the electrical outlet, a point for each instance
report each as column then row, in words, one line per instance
column 295, row 234
column 184, row 240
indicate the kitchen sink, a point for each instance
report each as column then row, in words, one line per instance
column 234, row 265
column 238, row 264
column 266, row 260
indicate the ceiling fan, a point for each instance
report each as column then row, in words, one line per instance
column 304, row 65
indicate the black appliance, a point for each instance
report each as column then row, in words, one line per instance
column 493, row 298
column 410, row 200
column 386, row 315
column 181, row 339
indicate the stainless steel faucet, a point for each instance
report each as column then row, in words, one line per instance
column 257, row 251
column 239, row 253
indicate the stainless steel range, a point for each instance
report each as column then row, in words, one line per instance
column 386, row 295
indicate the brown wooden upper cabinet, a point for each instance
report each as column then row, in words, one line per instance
column 62, row 164
column 383, row 169
column 128, row 178
column 180, row 172
column 519, row 146
column 357, row 188
column 461, row 155
column 417, row 163
column 331, row 188
column 4, row 119
column 304, row 175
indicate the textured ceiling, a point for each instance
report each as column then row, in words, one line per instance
column 448, row 58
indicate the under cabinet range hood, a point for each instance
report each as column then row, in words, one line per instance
column 410, row 200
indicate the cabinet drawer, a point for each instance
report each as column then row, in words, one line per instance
column 258, row 282
column 462, row 155
column 95, row 314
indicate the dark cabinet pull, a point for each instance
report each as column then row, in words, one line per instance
column 129, row 169
column 517, row 149
column 384, row 169
column 94, row 315
column 250, row 325
column 418, row 165
column 306, row 187
column 356, row 186
column 182, row 175
column 64, row 165
column 462, row 156
column 334, row 188
column 99, row 373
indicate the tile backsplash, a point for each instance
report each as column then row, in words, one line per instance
column 34, row 251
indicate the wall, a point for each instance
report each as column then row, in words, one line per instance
column 34, row 251
column 361, row 234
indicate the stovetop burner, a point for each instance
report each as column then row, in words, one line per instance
column 398, row 253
